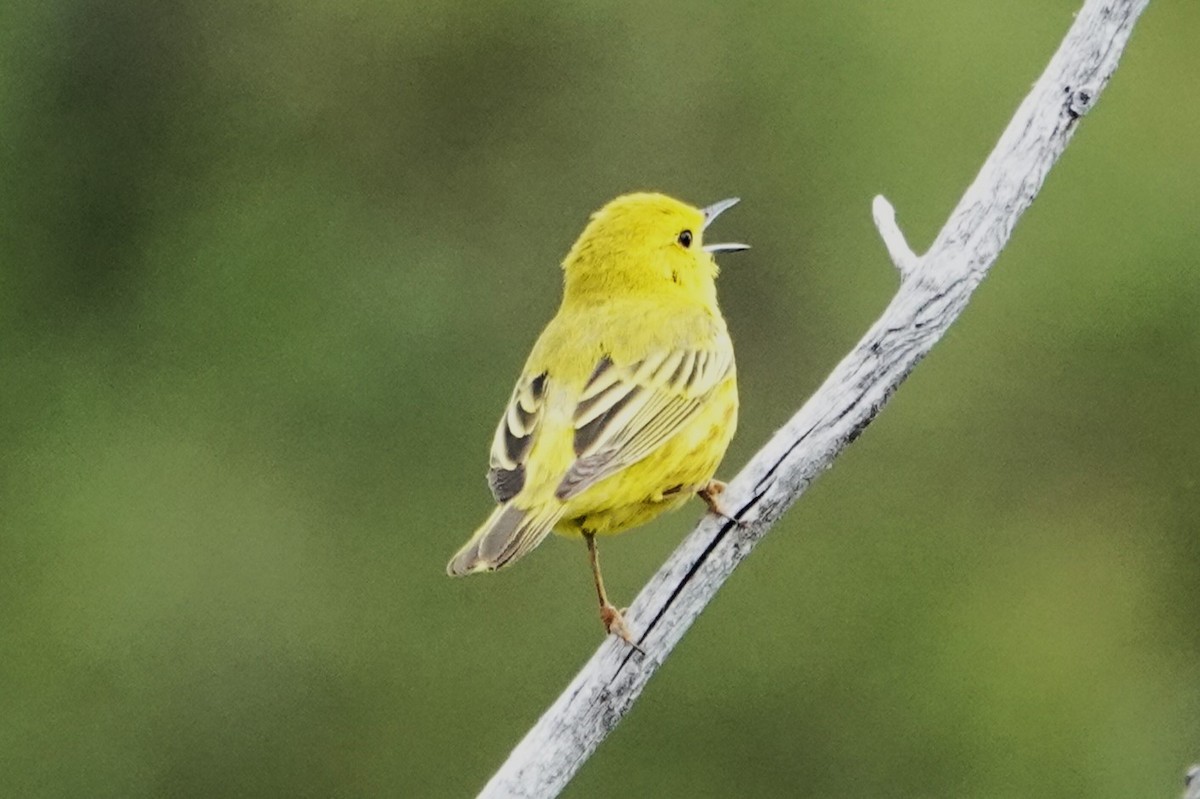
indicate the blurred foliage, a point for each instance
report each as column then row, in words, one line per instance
column 267, row 271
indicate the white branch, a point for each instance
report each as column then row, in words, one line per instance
column 934, row 290
column 903, row 257
column 1191, row 783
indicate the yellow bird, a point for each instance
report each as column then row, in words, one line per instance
column 629, row 399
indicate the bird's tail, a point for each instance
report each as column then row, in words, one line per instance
column 509, row 533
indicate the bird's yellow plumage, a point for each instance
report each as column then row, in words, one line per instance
column 629, row 399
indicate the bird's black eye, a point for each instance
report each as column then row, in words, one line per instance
column 685, row 238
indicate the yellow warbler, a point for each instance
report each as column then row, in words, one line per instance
column 629, row 399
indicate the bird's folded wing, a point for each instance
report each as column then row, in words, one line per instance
column 514, row 436
column 626, row 412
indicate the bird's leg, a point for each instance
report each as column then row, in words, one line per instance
column 610, row 617
column 713, row 489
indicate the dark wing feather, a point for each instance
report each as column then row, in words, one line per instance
column 514, row 436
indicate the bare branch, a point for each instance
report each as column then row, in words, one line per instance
column 934, row 290
column 903, row 257
column 1191, row 783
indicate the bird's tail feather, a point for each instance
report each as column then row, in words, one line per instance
column 508, row 534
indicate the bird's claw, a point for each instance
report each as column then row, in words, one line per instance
column 614, row 623
column 709, row 494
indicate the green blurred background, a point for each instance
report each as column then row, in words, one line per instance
column 268, row 271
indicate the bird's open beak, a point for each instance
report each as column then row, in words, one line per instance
column 711, row 213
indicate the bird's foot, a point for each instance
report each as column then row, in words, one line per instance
column 710, row 492
column 614, row 621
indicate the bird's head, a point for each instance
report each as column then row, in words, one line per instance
column 646, row 244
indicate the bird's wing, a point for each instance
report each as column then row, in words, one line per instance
column 514, row 436
column 626, row 412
